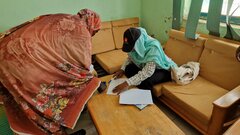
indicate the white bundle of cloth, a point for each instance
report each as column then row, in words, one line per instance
column 186, row 73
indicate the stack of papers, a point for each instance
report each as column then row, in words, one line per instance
column 138, row 97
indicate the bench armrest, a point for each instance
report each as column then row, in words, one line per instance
column 220, row 110
column 228, row 99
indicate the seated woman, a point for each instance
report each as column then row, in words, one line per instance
column 146, row 65
column 44, row 65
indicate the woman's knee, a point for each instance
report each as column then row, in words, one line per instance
column 131, row 70
column 146, row 84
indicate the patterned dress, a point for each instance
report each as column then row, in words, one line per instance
column 44, row 65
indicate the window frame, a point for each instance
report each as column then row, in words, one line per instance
column 235, row 20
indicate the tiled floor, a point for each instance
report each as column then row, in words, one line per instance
column 84, row 122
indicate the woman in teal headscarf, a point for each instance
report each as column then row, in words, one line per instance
column 147, row 64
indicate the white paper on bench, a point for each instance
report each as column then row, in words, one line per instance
column 141, row 106
column 113, row 84
column 136, row 96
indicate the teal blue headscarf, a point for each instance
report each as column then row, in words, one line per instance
column 148, row 49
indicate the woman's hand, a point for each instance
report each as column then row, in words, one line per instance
column 118, row 74
column 120, row 88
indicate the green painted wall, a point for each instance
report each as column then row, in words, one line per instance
column 153, row 13
column 14, row 12
column 156, row 16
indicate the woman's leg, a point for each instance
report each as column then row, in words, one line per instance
column 131, row 70
column 159, row 76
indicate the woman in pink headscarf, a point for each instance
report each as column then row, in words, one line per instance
column 44, row 65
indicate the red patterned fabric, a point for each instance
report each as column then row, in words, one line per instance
column 45, row 63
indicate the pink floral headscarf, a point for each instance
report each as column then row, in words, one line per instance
column 92, row 19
